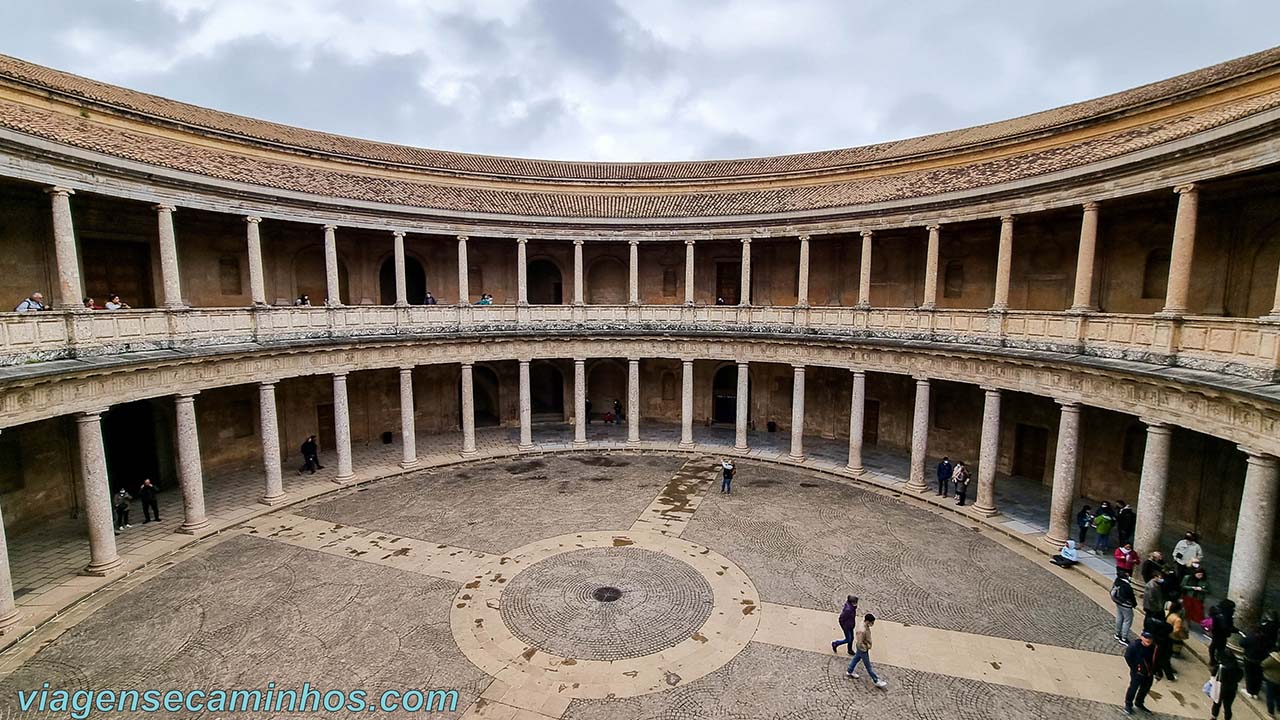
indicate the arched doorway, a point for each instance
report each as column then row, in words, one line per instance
column 415, row 281
column 546, row 392
column 134, row 437
column 545, row 284
column 724, row 395
column 606, row 382
column 309, row 277
column 607, row 282
column 487, row 394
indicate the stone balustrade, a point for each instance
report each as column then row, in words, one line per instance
column 1241, row 347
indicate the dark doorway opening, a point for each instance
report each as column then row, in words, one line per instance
column 415, row 281
column 545, row 284
column 1030, row 447
column 546, row 392
column 326, row 433
column 486, row 392
column 121, row 267
column 871, row 423
column 729, row 282
column 132, row 437
column 724, row 395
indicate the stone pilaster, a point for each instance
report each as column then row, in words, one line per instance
column 686, row 404
column 743, row 409
column 579, row 287
column 579, row 401
column 1066, row 462
column 408, row 426
column 744, row 296
column 1182, row 252
column 269, row 428
column 522, row 271
column 257, row 277
column 342, row 426
column 864, row 271
column 1152, row 488
column 797, row 413
column 190, row 470
column 96, row 492
column 1004, row 264
column 1251, row 557
column 69, row 291
column 1085, row 262
column 468, row 411
column 633, row 401
column 1274, row 315
column 169, row 275
column 464, row 291
column 930, row 301
column 802, row 294
column 333, row 290
column 8, row 608
column 857, row 418
column 633, row 272
column 526, row 408
column 402, row 291
column 919, row 436
column 688, row 275
column 988, row 453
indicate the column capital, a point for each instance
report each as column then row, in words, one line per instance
column 1187, row 188
column 398, row 233
column 340, row 374
column 466, row 364
column 799, row 367
column 252, row 219
column 88, row 416
column 921, row 379
column 407, row 368
column 1006, row 219
column 524, row 361
column 743, row 363
column 462, row 238
column 867, row 233
column 686, row 361
column 633, row 241
column 1091, row 205
column 1152, row 423
column 689, row 241
column 804, row 238
column 329, row 227
column 59, row 190
column 1257, row 457
column 579, row 242
column 933, row 227
column 989, row 389
column 267, row 383
column 161, row 207
column 522, row 241
column 579, row 361
column 858, row 371
column 633, row 359
column 1068, row 405
column 187, row 395
column 746, row 241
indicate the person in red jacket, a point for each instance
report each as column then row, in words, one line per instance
column 1126, row 560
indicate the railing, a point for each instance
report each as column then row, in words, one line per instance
column 1242, row 347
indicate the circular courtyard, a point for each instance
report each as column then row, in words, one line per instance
column 607, row 585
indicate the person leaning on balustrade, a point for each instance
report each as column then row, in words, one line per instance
column 33, row 303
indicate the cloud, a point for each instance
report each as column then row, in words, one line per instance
column 613, row 80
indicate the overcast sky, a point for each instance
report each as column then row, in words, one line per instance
column 634, row 79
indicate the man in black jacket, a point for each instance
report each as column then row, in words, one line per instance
column 1141, row 658
column 1126, row 521
column 148, row 495
column 310, row 456
column 944, row 475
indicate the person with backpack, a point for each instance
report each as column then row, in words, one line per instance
column 1124, row 599
column 848, row 621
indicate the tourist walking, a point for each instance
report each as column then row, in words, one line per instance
column 1140, row 656
column 1126, row 521
column 1161, row 634
column 147, row 494
column 1178, row 632
column 960, row 481
column 1153, row 597
column 1124, row 599
column 1187, row 553
column 1153, row 566
column 862, row 640
column 1194, row 588
column 1102, row 523
column 1271, row 676
column 1228, row 676
column 1255, row 652
column 1126, row 560
column 726, row 477
column 123, row 498
column 310, row 456
column 1223, row 616
column 848, row 622
column 945, row 468
column 33, row 303
column 1084, row 520
column 617, row 410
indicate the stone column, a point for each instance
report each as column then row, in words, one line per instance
column 1004, row 264
column 333, row 290
column 190, row 472
column 96, row 491
column 342, row 426
column 408, row 425
column 468, row 412
column 1152, row 488
column 743, row 409
column 931, row 270
column 802, row 294
column 633, row 401
column 686, row 404
column 919, row 436
column 70, row 292
column 257, row 278
column 864, row 272
column 988, row 453
column 579, row 290
column 1274, row 315
column 1184, row 241
column 857, row 417
column 522, row 271
column 464, row 292
column 1066, row 461
column 744, row 297
column 8, row 608
column 579, row 401
column 1083, row 300
column 169, row 276
column 633, row 278
column 1252, row 555
column 402, row 291
column 269, row 428
column 688, row 276
column 526, row 408
column 797, row 413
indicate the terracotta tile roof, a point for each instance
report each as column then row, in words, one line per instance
column 311, row 141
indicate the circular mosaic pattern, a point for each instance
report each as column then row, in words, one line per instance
column 608, row 603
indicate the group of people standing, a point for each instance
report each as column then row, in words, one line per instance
column 147, row 494
column 1119, row 517
column 953, row 478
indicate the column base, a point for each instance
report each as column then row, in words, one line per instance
column 273, row 500
column 1054, row 542
column 862, row 306
column 917, row 488
column 795, row 458
column 102, row 569
column 579, row 443
column 1081, row 309
column 193, row 528
column 686, row 445
column 741, row 448
column 344, row 479
column 633, row 442
column 998, row 309
column 10, row 620
column 401, row 305
column 928, row 307
column 1171, row 313
column 409, row 464
column 854, row 470
column 525, row 448
column 984, row 511
column 1273, row 317
column 469, row 453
